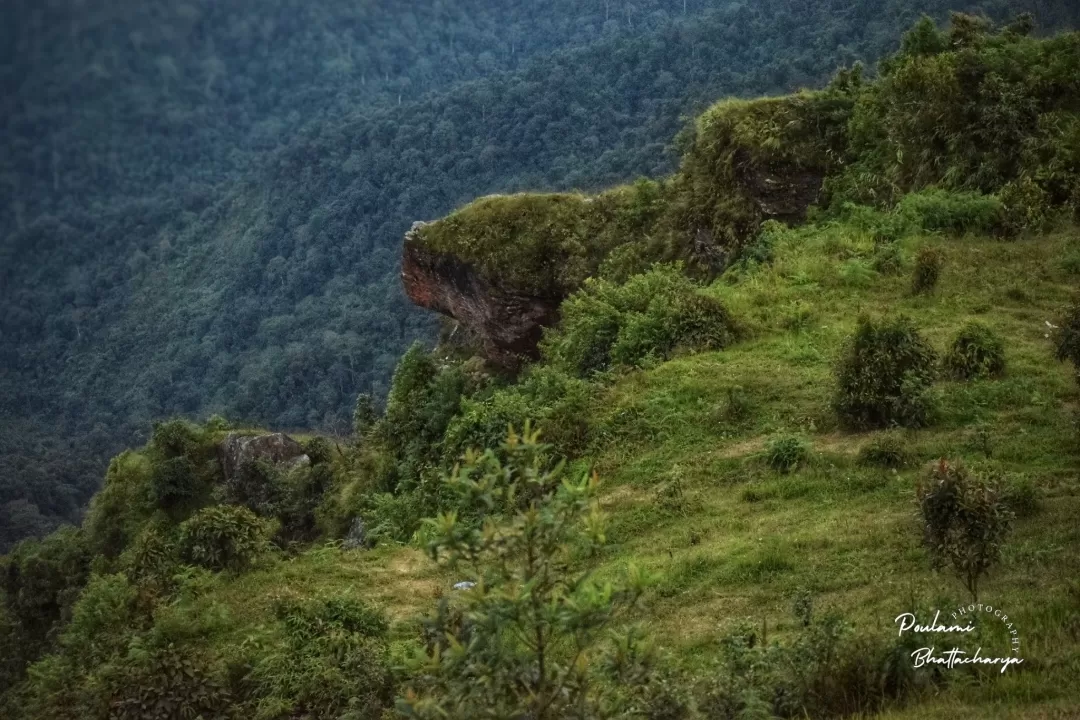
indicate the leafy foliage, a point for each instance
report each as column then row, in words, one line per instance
column 966, row 521
column 824, row 670
column 171, row 684
column 41, row 580
column 975, row 352
column 531, row 626
column 334, row 664
column 648, row 316
column 927, row 270
column 222, row 537
column 956, row 213
column 1067, row 336
column 555, row 401
column 785, row 453
column 970, row 109
column 886, row 450
column 883, row 376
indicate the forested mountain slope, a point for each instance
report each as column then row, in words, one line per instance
column 206, row 210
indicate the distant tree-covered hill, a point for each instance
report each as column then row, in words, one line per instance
column 205, row 202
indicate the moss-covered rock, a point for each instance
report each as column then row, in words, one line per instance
column 502, row 264
column 756, row 160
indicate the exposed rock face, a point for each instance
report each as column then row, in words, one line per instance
column 356, row 538
column 507, row 323
column 239, row 451
column 780, row 193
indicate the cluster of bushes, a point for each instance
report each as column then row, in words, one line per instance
column 320, row 657
column 164, row 513
column 970, row 109
column 648, row 317
column 111, row 620
column 887, row 368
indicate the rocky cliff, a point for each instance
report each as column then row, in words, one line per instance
column 502, row 265
column 507, row 321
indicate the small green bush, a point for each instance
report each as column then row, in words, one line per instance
column 886, row 450
column 956, row 213
column 1027, row 207
column 183, row 459
column 1022, row 498
column 334, row 662
column 557, row 403
column 1067, row 336
column 40, row 580
column 364, row 414
column 152, row 558
column 648, row 316
column 885, row 227
column 171, row 683
column 887, row 259
column 966, row 519
column 222, row 537
column 102, row 621
column 823, row 669
column 884, row 375
column 976, row 352
column 785, row 453
column 927, row 271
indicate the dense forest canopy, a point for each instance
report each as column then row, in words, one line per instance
column 205, row 201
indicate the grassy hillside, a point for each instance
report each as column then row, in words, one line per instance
column 690, row 495
column 779, row 453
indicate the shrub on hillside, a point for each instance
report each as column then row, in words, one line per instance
column 223, row 537
column 976, row 352
column 952, row 212
column 535, row 522
column 886, row 450
column 823, row 669
column 364, row 414
column 928, row 263
column 171, row 683
column 557, row 403
column 40, row 580
column 650, row 315
column 152, row 558
column 1026, row 207
column 785, row 453
column 117, row 512
column 965, row 520
column 184, row 465
column 334, row 662
column 884, row 375
column 1067, row 336
column 424, row 397
column 1022, row 498
column 887, row 259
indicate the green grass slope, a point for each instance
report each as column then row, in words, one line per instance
column 689, row 493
